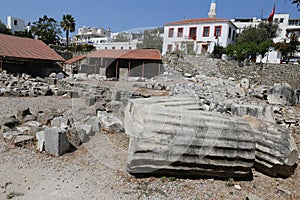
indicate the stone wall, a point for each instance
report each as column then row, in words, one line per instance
column 267, row 74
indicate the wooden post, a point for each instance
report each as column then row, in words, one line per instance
column 1, row 66
column 158, row 69
column 105, row 67
column 117, row 67
column 143, row 69
column 128, row 74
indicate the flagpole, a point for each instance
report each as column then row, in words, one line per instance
column 270, row 20
column 270, row 34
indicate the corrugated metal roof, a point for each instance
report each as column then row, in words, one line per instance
column 75, row 59
column 138, row 54
column 26, row 48
column 197, row 21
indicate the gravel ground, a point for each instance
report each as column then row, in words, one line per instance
column 97, row 171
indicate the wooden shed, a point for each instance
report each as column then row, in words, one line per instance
column 23, row 55
column 124, row 63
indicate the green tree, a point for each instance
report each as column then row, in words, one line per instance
column 259, row 34
column 253, row 41
column 84, row 48
column 47, row 30
column 289, row 47
column 26, row 34
column 3, row 29
column 152, row 39
column 218, row 51
column 68, row 24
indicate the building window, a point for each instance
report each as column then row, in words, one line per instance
column 233, row 35
column 218, row 31
column 15, row 22
column 177, row 47
column 193, row 33
column 121, row 47
column 180, row 32
column 129, row 48
column 206, row 30
column 171, row 32
column 229, row 32
column 169, row 48
column 105, row 47
column 113, row 48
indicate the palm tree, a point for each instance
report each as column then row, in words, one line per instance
column 68, row 24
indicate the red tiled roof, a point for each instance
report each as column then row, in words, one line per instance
column 75, row 59
column 197, row 21
column 17, row 47
column 138, row 54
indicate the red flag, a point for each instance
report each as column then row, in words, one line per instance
column 270, row 19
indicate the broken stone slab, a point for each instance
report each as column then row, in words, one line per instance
column 45, row 118
column 59, row 121
column 94, row 122
column 84, row 131
column 40, row 137
column 276, row 152
column 21, row 140
column 168, row 138
column 10, row 135
column 281, row 94
column 9, row 120
column 265, row 113
column 30, row 128
column 21, row 114
column 23, row 129
column 56, row 141
column 109, row 122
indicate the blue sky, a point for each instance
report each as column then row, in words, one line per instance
column 122, row 15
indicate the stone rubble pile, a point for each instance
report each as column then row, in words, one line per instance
column 26, row 86
column 190, row 65
column 56, row 132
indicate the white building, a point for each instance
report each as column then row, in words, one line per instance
column 131, row 45
column 286, row 25
column 15, row 24
column 243, row 23
column 201, row 34
column 88, row 35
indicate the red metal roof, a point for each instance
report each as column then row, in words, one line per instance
column 138, row 54
column 75, row 59
column 197, row 21
column 26, row 48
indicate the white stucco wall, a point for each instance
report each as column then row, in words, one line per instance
column 15, row 24
column 210, row 41
column 283, row 23
column 117, row 45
